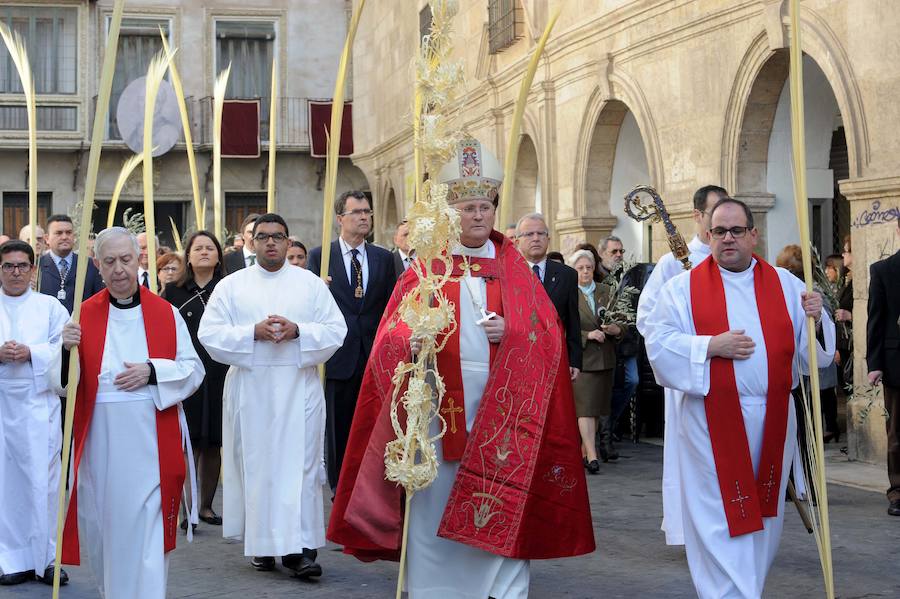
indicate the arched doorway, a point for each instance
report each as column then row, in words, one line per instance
column 390, row 218
column 764, row 175
column 527, row 190
column 617, row 161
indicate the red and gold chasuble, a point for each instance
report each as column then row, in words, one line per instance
column 746, row 498
column 520, row 489
column 159, row 324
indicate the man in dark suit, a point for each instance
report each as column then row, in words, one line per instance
column 58, row 266
column 560, row 281
column 361, row 277
column 246, row 256
column 403, row 255
column 883, row 357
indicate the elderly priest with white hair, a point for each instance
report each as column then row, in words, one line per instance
column 137, row 364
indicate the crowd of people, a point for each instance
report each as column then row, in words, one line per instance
column 222, row 366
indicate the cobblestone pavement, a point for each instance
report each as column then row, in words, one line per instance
column 632, row 559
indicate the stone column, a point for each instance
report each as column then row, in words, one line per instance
column 874, row 210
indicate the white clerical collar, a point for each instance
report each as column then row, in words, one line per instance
column 346, row 248
column 748, row 272
column 15, row 299
column 483, row 251
column 270, row 273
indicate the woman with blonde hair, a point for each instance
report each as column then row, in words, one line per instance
column 594, row 385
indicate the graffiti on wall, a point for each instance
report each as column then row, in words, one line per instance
column 876, row 215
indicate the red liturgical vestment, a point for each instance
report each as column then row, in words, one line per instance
column 520, row 490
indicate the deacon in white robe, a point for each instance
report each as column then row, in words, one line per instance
column 274, row 324
column 723, row 566
column 119, row 502
column 30, row 439
column 438, row 567
column 665, row 270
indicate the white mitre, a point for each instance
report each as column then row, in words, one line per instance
column 473, row 174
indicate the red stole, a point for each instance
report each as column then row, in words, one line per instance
column 453, row 405
column 520, row 489
column 745, row 497
column 161, row 343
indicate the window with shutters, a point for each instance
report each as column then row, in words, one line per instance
column 15, row 210
column 249, row 46
column 506, row 24
column 240, row 204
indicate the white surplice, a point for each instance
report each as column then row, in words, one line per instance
column 666, row 269
column 30, row 433
column 723, row 566
column 439, row 567
column 119, row 502
column 273, row 430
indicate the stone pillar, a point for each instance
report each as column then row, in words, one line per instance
column 570, row 232
column 874, row 211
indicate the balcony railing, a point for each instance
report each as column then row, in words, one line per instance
column 292, row 131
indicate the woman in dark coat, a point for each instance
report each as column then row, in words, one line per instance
column 190, row 293
column 594, row 385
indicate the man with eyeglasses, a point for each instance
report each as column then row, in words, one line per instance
column 731, row 336
column 560, row 281
column 612, row 253
column 510, row 483
column 30, row 424
column 361, row 278
column 667, row 268
column 274, row 324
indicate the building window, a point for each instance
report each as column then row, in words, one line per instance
column 250, row 47
column 239, row 204
column 14, row 117
column 425, row 16
column 15, row 210
column 505, row 23
column 139, row 42
column 51, row 40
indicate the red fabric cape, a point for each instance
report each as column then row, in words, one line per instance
column 159, row 324
column 520, row 491
column 746, row 498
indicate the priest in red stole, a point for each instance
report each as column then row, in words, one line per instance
column 731, row 335
column 137, row 364
column 510, row 484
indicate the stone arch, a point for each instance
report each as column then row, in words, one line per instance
column 750, row 111
column 527, row 181
column 612, row 104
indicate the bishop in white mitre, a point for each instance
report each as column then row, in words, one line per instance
column 730, row 335
column 30, row 333
column 137, row 363
column 274, row 324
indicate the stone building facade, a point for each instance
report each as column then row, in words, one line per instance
column 671, row 93
column 66, row 42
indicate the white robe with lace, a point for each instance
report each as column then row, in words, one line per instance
column 273, row 430
column 724, row 567
column 30, row 433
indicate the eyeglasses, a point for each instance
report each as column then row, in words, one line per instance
column 9, row 267
column 618, row 251
column 534, row 234
column 358, row 212
column 169, row 269
column 721, row 232
column 264, row 237
column 472, row 210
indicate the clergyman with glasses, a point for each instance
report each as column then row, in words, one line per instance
column 362, row 278
column 731, row 336
column 273, row 324
column 30, row 430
